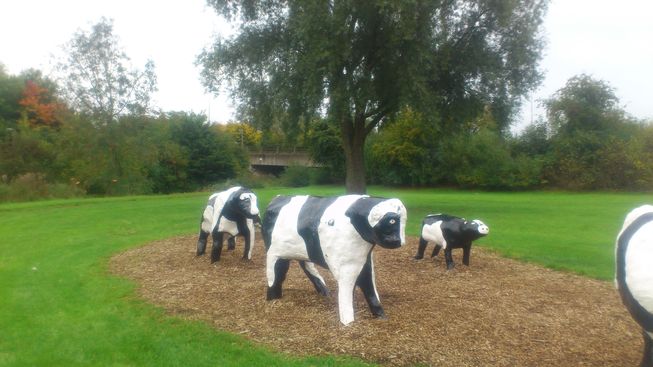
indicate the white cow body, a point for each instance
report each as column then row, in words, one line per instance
column 328, row 236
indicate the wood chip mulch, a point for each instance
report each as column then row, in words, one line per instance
column 496, row 312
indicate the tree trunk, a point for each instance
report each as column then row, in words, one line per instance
column 353, row 139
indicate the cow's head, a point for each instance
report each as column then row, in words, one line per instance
column 380, row 221
column 476, row 228
column 246, row 204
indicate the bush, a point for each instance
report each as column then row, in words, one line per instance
column 32, row 186
column 483, row 160
column 296, row 176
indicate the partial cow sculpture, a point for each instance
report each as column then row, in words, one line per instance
column 450, row 232
column 233, row 211
column 337, row 233
column 634, row 272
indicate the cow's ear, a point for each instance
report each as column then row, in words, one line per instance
column 358, row 213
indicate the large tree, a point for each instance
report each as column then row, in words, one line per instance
column 584, row 104
column 358, row 62
column 98, row 79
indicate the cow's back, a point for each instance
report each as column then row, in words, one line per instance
column 432, row 218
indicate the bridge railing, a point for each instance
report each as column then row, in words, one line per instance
column 281, row 159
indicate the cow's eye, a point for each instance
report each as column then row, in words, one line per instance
column 392, row 221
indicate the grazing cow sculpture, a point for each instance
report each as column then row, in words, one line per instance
column 233, row 211
column 337, row 233
column 450, row 232
column 634, row 272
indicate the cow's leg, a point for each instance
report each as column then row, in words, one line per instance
column 277, row 269
column 346, row 277
column 246, row 228
column 421, row 248
column 231, row 243
column 467, row 250
column 449, row 258
column 315, row 277
column 201, row 243
column 647, row 358
column 216, row 250
column 436, row 250
column 366, row 283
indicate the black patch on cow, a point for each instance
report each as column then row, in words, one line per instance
column 235, row 209
column 365, row 282
column 432, row 218
column 647, row 358
column 459, row 232
column 270, row 218
column 320, row 287
column 307, row 223
column 358, row 212
column 387, row 230
column 639, row 313
column 280, row 270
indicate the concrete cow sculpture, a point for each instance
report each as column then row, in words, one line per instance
column 233, row 211
column 449, row 232
column 337, row 233
column 634, row 272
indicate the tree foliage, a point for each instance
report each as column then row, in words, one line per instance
column 245, row 135
column 593, row 144
column 97, row 78
column 359, row 62
column 584, row 104
column 11, row 89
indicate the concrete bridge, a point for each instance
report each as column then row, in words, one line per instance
column 277, row 161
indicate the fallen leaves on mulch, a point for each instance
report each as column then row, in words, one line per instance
column 496, row 312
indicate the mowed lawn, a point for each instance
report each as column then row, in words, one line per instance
column 60, row 307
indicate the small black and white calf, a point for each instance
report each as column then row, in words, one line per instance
column 450, row 232
column 337, row 233
column 634, row 272
column 234, row 212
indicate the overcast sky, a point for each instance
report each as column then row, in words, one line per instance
column 606, row 39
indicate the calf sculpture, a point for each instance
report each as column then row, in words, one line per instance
column 233, row 211
column 337, row 233
column 634, row 272
column 450, row 232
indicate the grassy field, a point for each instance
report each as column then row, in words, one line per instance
column 60, row 307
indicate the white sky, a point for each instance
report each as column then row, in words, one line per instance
column 606, row 39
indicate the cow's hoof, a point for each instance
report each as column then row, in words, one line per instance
column 381, row 316
column 450, row 266
column 273, row 294
column 417, row 257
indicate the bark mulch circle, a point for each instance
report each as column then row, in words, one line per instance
column 497, row 312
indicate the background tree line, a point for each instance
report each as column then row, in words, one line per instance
column 90, row 129
column 390, row 88
column 586, row 142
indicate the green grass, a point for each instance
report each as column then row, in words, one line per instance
column 60, row 307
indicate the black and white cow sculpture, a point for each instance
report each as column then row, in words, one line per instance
column 233, row 211
column 634, row 272
column 337, row 233
column 450, row 232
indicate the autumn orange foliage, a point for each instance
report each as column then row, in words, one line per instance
column 39, row 106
